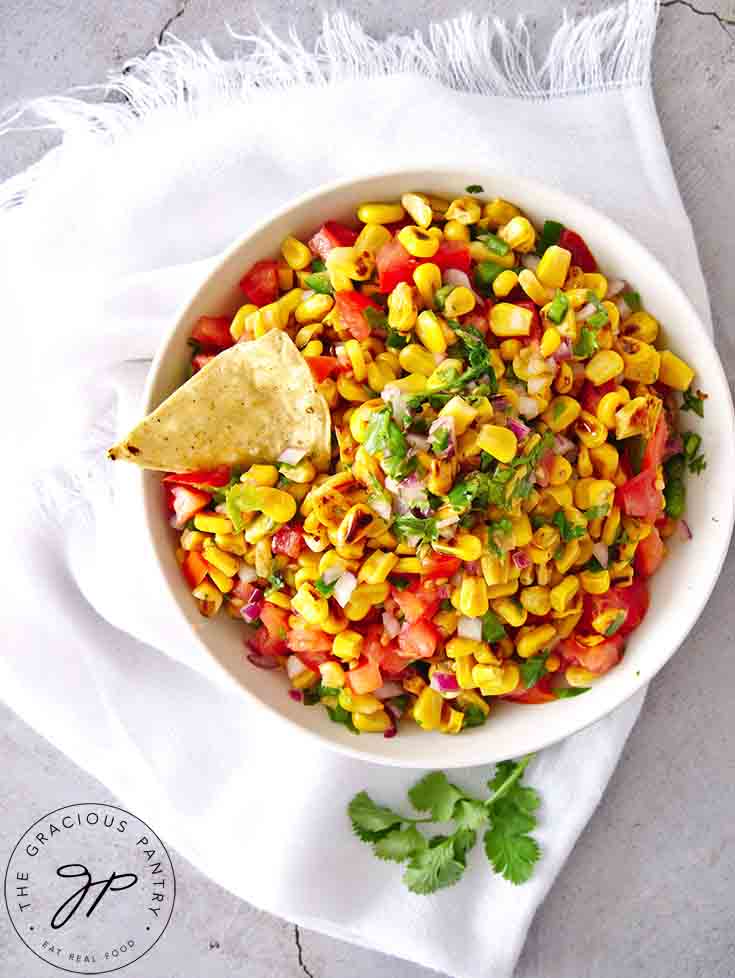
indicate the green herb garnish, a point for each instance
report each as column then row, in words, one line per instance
column 495, row 244
column 558, row 308
column 632, row 301
column 320, row 282
column 567, row 692
column 533, row 669
column 386, row 439
column 492, row 627
column 474, row 188
column 326, row 590
column 416, row 526
column 567, row 531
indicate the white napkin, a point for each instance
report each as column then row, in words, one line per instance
column 95, row 265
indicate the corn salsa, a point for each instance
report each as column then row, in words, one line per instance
column 508, row 462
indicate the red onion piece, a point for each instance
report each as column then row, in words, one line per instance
column 586, row 311
column 444, row 682
column 470, row 628
column 600, row 552
column 536, row 385
column 262, row 661
column 334, row 572
column 418, row 441
column 519, row 429
column 528, row 407
column 254, row 606
column 445, row 424
column 500, row 403
column 388, row 690
column 246, row 573
column 453, row 276
column 563, row 351
column 296, row 695
column 472, row 567
column 397, row 399
column 521, row 559
column 294, row 667
column 684, row 531
column 562, row 445
column 530, row 261
column 674, row 445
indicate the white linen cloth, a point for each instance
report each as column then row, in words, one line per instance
column 96, row 259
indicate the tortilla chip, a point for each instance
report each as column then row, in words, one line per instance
column 246, row 405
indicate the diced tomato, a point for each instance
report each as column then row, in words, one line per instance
column 394, row 265
column 213, row 333
column 195, row 568
column 203, row 477
column 312, row 660
column 308, row 640
column 581, row 255
column 451, row 254
column 322, row 367
column 243, row 590
column 656, row 446
column 387, row 656
column 633, row 600
column 275, row 620
column 649, row 554
column 331, row 235
column 186, row 503
column 439, row 565
column 476, row 319
column 200, row 360
column 351, row 307
column 640, row 497
column 599, row 658
column 365, row 679
column 288, row 540
column 419, row 640
column 260, row 284
column 263, row 642
column 540, row 693
column 417, row 601
column 591, row 396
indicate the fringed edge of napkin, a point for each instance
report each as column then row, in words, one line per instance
column 611, row 49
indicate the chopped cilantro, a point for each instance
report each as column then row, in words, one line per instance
column 485, row 274
column 338, row 714
column 439, row 441
column 567, row 531
column 276, row 583
column 386, row 439
column 567, row 692
column 492, row 627
column 474, row 716
column 616, row 623
column 395, row 340
column 596, row 512
column 474, row 188
column 586, row 345
column 632, row 301
column 326, row 590
column 551, row 232
column 440, row 296
column 317, row 265
column 410, row 526
column 695, row 460
column 400, row 583
column 495, row 244
column 320, row 282
column 376, row 318
column 533, row 669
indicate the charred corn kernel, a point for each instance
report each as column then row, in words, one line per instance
column 429, row 331
column 220, row 559
column 194, row 540
column 593, row 493
column 466, row 546
column 409, row 565
column 209, row 598
column 356, row 523
column 459, row 302
column 458, row 648
column 427, row 279
column 223, row 582
column 466, row 210
column 498, row 212
column 610, row 529
column 360, row 418
column 314, row 308
column 237, row 326
column 402, row 309
column 473, row 596
column 418, row 207
column 641, row 326
column 564, row 379
column 591, row 432
column 603, row 367
column 349, row 389
column 496, row 680
column 295, row 253
column 533, row 288
column 585, row 551
column 609, row 404
column 584, row 462
column 212, row 523
column 308, row 603
column 418, row 242
column 379, row 375
column 372, row 238
column 595, row 582
column 579, row 678
column 631, row 418
column 261, row 475
column 522, row 530
column 519, row 233
column 461, row 411
column 463, row 671
column 531, row 640
column 674, row 371
column 331, row 559
column 317, row 540
column 349, row 263
column 456, row 231
column 605, row 460
column 333, row 675
column 441, row 475
column 452, row 720
column 335, row 622
column 416, row 360
column 348, row 645
column 499, row 442
column 505, row 283
column 509, row 320
column 641, row 361
column 561, row 412
column 550, row 341
column 553, row 268
column 563, row 594
column 427, row 711
column 546, row 538
column 380, row 213
column 536, row 600
column 510, row 611
column 377, row 722
column 502, row 590
column 377, row 567
column 357, row 359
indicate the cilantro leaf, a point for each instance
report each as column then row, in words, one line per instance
column 567, row 531
column 693, row 401
column 320, row 282
column 376, row 318
column 434, row 793
column 338, row 714
column 632, row 300
column 566, row 693
column 532, row 670
column 511, row 854
column 474, row 188
column 400, row 844
column 492, row 627
column 276, row 582
column 367, row 816
column 616, row 624
column 434, row 867
column 473, row 716
column 326, row 590
column 596, row 512
column 409, row 526
column 439, row 441
column 511, row 851
column 586, row 344
column 470, row 813
column 385, row 438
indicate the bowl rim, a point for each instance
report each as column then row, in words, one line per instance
column 555, row 198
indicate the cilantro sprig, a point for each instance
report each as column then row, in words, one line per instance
column 693, row 401
column 416, row 526
column 386, row 439
column 439, row 861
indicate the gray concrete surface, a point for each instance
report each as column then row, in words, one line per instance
column 649, row 889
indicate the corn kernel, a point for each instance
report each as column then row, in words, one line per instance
column 642, row 361
column 194, row 540
column 498, row 212
column 550, row 341
column 220, row 559
column 466, row 546
column 212, row 523
column 473, row 596
column 458, row 647
column 580, row 678
column 295, row 253
column 675, row 372
column 564, row 593
column 456, row 231
column 427, row 278
column 237, row 326
column 461, row 411
column 561, row 412
column 605, row 459
column 402, row 310
column 429, row 331
column 603, row 367
column 377, row 722
column 497, row 680
column 507, row 319
column 333, row 675
column 533, row 288
column 536, row 600
column 463, row 671
column 609, row 404
column 595, row 282
column 504, row 283
column 452, row 720
column 499, row 442
column 209, row 599
column 372, row 238
column 409, row 565
column 418, row 242
column 641, row 326
column 350, row 390
column 459, row 302
column 466, row 210
column 553, row 268
column 510, row 611
column 348, row 645
column 380, row 213
column 428, row 709
column 377, row 567
column 314, row 308
column 519, row 233
column 530, row 641
column 595, row 582
column 415, row 359
column 418, row 208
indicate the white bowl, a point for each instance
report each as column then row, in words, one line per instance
column 680, row 589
